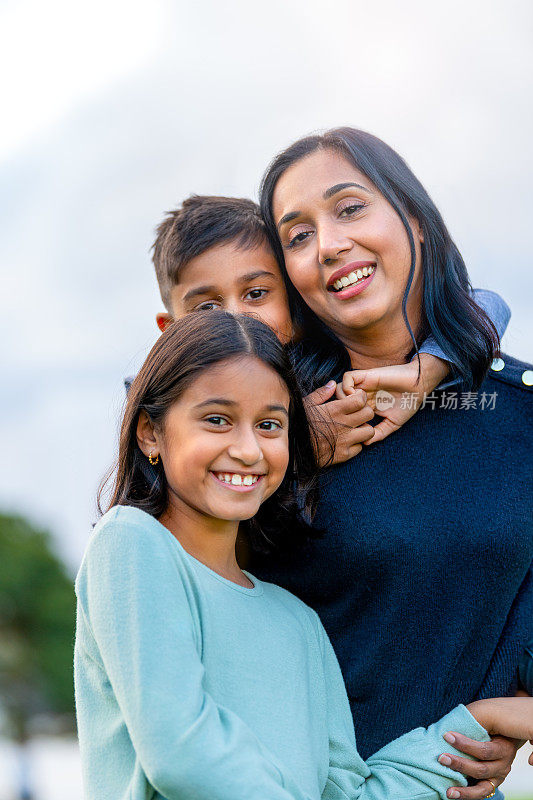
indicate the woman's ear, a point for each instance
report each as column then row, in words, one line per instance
column 419, row 231
column 146, row 436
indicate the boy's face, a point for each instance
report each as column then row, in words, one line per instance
column 235, row 280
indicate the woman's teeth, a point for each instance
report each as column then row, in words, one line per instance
column 353, row 278
column 237, row 480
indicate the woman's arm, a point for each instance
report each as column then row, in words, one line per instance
column 408, row 767
column 135, row 602
column 526, row 668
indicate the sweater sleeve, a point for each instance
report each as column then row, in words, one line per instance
column 136, row 604
column 496, row 308
column 526, row 668
column 518, row 631
column 405, row 768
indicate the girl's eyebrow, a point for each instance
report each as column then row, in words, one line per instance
column 327, row 194
column 223, row 401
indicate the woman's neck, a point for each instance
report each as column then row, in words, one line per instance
column 210, row 540
column 380, row 345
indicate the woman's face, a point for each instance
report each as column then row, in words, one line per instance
column 346, row 249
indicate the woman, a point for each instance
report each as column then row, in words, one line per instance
column 423, row 578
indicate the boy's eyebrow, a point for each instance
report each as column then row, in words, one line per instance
column 198, row 290
column 223, row 401
column 250, row 276
column 327, row 194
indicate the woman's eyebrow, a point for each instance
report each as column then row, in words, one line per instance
column 339, row 187
column 327, row 194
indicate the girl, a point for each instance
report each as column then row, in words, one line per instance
column 194, row 680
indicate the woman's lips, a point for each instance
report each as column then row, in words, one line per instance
column 354, row 289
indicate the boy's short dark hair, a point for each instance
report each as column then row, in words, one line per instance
column 201, row 222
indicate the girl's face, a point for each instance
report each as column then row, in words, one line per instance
column 224, row 443
column 346, row 249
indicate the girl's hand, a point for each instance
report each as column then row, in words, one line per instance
column 341, row 425
column 512, row 718
column 395, row 392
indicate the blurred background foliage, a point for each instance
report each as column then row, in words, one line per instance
column 37, row 621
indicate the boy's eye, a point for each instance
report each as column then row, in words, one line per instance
column 256, row 294
column 208, row 305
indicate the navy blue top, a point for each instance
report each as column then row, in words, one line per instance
column 423, row 578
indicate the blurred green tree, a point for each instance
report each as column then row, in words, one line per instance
column 37, row 620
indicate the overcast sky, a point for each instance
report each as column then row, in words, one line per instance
column 115, row 111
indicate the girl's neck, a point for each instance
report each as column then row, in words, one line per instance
column 210, row 540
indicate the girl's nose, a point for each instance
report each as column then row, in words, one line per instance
column 245, row 447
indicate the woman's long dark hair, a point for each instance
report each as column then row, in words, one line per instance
column 187, row 348
column 461, row 328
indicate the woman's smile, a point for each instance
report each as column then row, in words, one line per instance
column 351, row 280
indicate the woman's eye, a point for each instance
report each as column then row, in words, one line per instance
column 270, row 425
column 256, row 294
column 300, row 237
column 351, row 209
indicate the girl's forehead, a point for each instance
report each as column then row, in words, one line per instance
column 244, row 379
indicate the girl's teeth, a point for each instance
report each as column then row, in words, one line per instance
column 353, row 277
column 237, row 480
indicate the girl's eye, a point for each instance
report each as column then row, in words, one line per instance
column 350, row 209
column 216, row 420
column 270, row 425
column 299, row 237
column 208, row 305
column 256, row 294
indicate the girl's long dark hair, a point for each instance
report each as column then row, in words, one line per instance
column 461, row 328
column 187, row 348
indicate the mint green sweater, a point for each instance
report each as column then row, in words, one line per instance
column 190, row 687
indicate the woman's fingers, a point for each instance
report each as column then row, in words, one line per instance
column 477, row 792
column 499, row 748
column 498, row 769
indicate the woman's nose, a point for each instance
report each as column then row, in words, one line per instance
column 332, row 243
column 245, row 447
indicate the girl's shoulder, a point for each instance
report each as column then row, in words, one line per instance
column 294, row 605
column 126, row 535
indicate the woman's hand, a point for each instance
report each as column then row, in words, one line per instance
column 510, row 721
column 494, row 760
column 395, row 392
column 341, row 425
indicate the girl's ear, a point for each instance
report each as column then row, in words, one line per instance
column 146, row 437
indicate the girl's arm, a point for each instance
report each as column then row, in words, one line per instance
column 408, row 767
column 135, row 603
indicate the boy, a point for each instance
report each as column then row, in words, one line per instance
column 213, row 252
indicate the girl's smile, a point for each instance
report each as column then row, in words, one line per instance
column 224, row 443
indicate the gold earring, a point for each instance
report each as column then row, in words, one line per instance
column 153, row 461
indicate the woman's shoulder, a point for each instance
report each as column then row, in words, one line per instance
column 512, row 372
